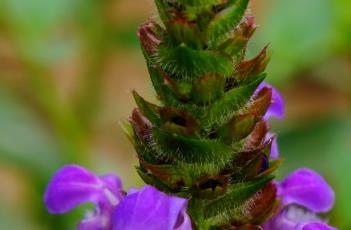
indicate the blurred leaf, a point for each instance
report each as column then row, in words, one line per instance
column 12, row 220
column 23, row 139
column 36, row 27
column 324, row 146
column 342, row 14
column 301, row 34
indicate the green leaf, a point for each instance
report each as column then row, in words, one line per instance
column 25, row 141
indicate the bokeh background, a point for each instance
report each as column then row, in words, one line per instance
column 67, row 68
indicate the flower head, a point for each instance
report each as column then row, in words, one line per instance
column 147, row 208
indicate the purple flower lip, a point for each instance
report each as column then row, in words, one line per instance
column 306, row 188
column 73, row 185
column 150, row 209
column 147, row 208
column 303, row 195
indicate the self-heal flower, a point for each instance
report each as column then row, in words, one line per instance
column 73, row 185
column 303, row 195
column 148, row 208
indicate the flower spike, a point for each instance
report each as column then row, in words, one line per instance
column 205, row 149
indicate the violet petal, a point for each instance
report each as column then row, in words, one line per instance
column 317, row 226
column 93, row 223
column 151, row 209
column 73, row 185
column 296, row 218
column 70, row 186
column 274, row 154
column 308, row 189
column 277, row 107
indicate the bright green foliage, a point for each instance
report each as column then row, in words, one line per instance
column 206, row 139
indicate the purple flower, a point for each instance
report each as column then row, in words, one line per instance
column 296, row 218
column 306, row 188
column 303, row 195
column 73, row 185
column 276, row 108
column 148, row 208
column 151, row 209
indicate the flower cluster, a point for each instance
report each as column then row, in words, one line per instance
column 146, row 208
column 303, row 194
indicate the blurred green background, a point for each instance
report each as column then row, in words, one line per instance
column 67, row 68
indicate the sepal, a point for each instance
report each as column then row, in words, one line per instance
column 265, row 202
column 179, row 122
column 183, row 31
column 171, row 175
column 141, row 125
column 239, row 127
column 226, row 19
column 149, row 110
column 260, row 102
column 190, row 149
column 235, row 45
column 211, row 187
column 232, row 101
column 150, row 37
column 154, row 181
column 191, row 64
column 236, row 196
column 207, row 89
column 257, row 136
column 253, row 67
